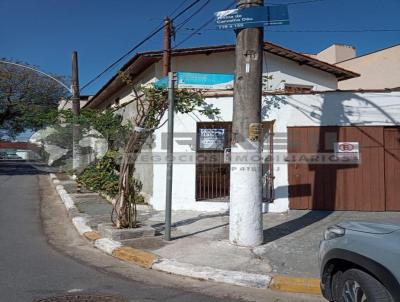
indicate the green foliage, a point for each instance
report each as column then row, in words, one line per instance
column 103, row 177
column 106, row 122
column 186, row 101
column 24, row 94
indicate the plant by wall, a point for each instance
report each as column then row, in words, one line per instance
column 150, row 106
column 102, row 177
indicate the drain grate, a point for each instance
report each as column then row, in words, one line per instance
column 82, row 298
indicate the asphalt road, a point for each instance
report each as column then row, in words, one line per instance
column 41, row 254
column 30, row 268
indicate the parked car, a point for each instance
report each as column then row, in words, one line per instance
column 360, row 261
column 13, row 156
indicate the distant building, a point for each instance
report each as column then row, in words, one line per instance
column 378, row 70
column 23, row 150
column 67, row 104
column 336, row 53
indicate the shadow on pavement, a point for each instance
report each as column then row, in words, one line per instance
column 294, row 225
column 19, row 167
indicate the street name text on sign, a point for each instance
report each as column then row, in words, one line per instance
column 252, row 17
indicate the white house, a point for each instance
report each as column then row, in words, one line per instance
column 310, row 117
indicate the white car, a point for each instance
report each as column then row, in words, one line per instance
column 360, row 262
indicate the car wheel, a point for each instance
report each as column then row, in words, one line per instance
column 357, row 286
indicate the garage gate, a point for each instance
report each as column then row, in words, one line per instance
column 371, row 185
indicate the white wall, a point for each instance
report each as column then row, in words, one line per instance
column 184, row 175
column 332, row 108
column 277, row 67
column 293, row 73
column 24, row 154
column 183, row 193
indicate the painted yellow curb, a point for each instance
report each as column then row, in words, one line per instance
column 139, row 257
column 296, row 285
column 92, row 236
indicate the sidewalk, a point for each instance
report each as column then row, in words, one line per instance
column 290, row 246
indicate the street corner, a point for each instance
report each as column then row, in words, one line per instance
column 300, row 285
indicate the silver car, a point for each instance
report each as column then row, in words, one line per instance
column 360, row 261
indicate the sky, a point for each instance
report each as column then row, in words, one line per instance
column 45, row 32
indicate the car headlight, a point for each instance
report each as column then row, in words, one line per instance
column 334, row 232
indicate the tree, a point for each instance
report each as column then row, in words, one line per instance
column 109, row 124
column 99, row 131
column 150, row 106
column 24, row 94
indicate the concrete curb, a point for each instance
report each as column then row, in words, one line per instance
column 139, row 257
column 296, row 285
column 151, row 261
column 210, row 273
column 107, row 245
column 110, row 247
column 80, row 224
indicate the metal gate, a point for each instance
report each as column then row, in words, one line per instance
column 213, row 168
column 213, row 162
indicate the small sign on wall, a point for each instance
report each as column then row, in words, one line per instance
column 347, row 149
column 212, row 139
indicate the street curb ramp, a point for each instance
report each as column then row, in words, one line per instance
column 149, row 260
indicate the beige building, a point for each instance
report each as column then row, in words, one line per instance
column 378, row 70
column 67, row 104
column 336, row 53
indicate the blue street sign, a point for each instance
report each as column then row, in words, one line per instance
column 198, row 80
column 252, row 17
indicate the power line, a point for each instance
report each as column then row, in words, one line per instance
column 151, row 35
column 192, row 16
column 195, row 32
column 186, row 9
column 178, row 8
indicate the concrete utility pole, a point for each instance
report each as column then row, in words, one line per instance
column 76, row 109
column 245, row 222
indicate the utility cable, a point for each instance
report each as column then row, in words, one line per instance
column 151, row 35
column 196, row 31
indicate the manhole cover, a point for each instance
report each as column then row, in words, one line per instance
column 83, row 298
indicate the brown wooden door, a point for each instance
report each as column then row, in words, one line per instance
column 356, row 187
column 392, row 168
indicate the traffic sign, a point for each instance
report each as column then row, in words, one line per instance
column 199, row 80
column 259, row 16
